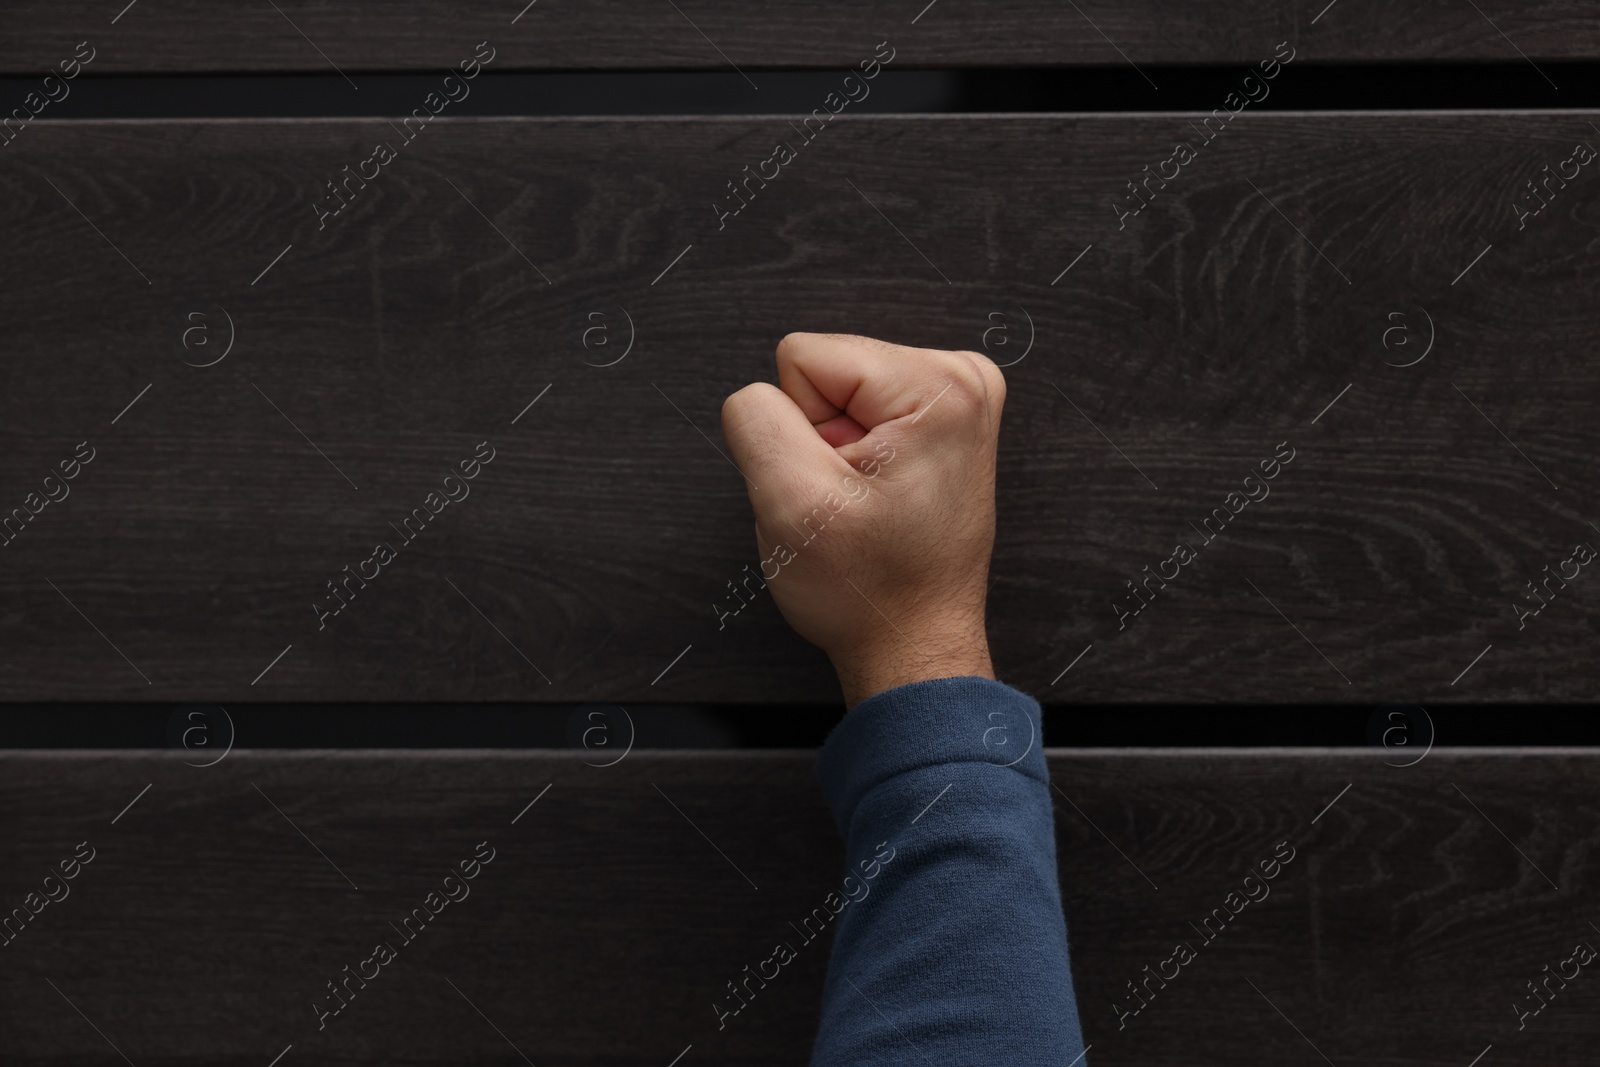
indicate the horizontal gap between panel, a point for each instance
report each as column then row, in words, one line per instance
column 1400, row 729
column 1454, row 86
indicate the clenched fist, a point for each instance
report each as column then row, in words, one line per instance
column 872, row 478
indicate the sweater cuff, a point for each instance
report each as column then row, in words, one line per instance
column 925, row 724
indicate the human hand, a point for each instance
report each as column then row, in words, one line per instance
column 872, row 479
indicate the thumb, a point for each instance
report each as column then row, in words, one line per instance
column 776, row 447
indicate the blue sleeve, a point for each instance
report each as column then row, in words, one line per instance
column 950, row 947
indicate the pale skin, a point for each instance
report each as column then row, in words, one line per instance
column 893, row 586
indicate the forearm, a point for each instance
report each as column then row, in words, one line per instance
column 955, row 951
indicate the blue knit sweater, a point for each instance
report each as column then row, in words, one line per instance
column 953, row 949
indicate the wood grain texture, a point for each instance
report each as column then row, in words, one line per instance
column 320, row 36
column 1417, row 904
column 1221, row 321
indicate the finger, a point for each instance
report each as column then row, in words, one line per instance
column 871, row 381
column 773, row 443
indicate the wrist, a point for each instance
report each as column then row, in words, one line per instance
column 867, row 671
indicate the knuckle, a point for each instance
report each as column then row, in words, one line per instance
column 993, row 378
column 793, row 344
column 967, row 384
column 789, row 341
column 737, row 407
column 970, row 390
